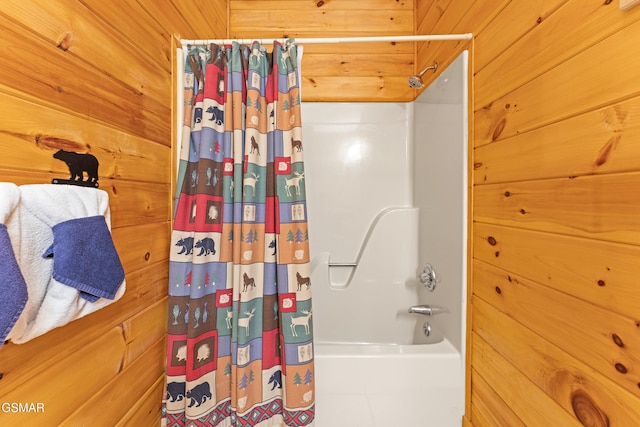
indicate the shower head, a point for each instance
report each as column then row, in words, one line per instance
column 416, row 81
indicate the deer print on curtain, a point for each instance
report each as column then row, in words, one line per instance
column 240, row 343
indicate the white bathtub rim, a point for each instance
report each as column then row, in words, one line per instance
column 443, row 348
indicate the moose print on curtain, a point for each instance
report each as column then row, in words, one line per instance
column 240, row 342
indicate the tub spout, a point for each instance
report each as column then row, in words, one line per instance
column 427, row 310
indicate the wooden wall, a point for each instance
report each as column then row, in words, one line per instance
column 95, row 76
column 554, row 316
column 338, row 72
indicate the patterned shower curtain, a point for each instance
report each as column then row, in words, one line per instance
column 240, row 343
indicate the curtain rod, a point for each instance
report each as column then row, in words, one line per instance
column 331, row 40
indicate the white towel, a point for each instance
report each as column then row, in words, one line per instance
column 13, row 289
column 51, row 303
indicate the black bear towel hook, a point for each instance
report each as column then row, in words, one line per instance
column 78, row 164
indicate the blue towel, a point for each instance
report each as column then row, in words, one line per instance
column 85, row 258
column 13, row 289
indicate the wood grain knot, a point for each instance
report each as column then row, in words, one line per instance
column 65, row 43
column 55, row 143
column 601, row 282
column 616, row 339
column 498, row 129
column 605, row 152
column 586, row 411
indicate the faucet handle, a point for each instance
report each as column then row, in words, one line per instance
column 428, row 277
column 427, row 310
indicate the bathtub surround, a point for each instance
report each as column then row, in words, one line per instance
column 440, row 194
column 240, row 342
column 387, row 194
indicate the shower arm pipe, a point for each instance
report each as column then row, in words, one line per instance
column 335, row 40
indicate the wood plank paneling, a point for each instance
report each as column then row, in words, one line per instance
column 310, row 6
column 600, row 206
column 557, row 37
column 374, row 49
column 488, row 408
column 354, row 89
column 144, row 329
column 599, row 141
column 612, row 339
column 578, row 388
column 146, row 411
column 429, row 13
column 139, row 246
column 464, row 18
column 297, row 23
column 601, row 273
column 118, row 393
column 93, row 76
column 521, row 15
column 563, row 92
column 40, row 131
column 537, row 408
column 137, row 26
column 332, row 72
column 97, row 95
column 168, row 15
column 357, row 64
column 68, row 383
column 71, row 28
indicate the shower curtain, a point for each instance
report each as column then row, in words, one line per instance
column 240, row 341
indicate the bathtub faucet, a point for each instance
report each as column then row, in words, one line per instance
column 427, row 310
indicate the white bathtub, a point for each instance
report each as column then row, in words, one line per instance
column 386, row 385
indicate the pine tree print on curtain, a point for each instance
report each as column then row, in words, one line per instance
column 240, row 342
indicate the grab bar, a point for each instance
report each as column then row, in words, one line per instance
column 367, row 236
column 343, row 264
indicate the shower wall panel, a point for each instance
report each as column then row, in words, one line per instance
column 440, row 193
column 358, row 161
